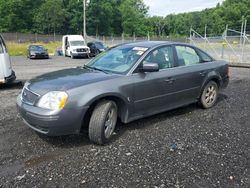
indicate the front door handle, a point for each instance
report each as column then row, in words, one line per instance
column 169, row 80
column 203, row 73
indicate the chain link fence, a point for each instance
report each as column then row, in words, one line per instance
column 232, row 46
column 32, row 38
column 109, row 40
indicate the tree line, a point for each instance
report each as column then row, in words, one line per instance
column 115, row 17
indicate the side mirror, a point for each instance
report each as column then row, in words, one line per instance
column 150, row 67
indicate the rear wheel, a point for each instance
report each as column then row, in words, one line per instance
column 102, row 122
column 209, row 95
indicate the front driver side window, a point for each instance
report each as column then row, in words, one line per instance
column 162, row 56
column 187, row 56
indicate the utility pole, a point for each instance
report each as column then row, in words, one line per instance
column 84, row 21
column 205, row 35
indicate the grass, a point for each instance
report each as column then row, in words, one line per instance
column 20, row 49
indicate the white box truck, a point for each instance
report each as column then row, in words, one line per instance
column 75, row 46
column 7, row 75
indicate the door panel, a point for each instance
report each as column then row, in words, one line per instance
column 191, row 73
column 150, row 94
column 172, row 86
column 4, row 60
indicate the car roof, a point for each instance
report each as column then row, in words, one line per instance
column 152, row 44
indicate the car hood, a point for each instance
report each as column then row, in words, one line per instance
column 66, row 79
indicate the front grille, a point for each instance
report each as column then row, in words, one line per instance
column 28, row 96
column 81, row 50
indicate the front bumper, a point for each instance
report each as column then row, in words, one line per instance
column 64, row 122
column 39, row 56
column 80, row 54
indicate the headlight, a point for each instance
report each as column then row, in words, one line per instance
column 74, row 50
column 54, row 100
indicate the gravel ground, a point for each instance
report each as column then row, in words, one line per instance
column 187, row 147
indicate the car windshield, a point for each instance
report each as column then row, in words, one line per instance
column 100, row 45
column 77, row 43
column 37, row 48
column 118, row 60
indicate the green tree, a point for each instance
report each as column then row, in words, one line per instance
column 16, row 15
column 134, row 17
column 50, row 17
column 158, row 25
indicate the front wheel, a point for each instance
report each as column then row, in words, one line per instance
column 209, row 95
column 102, row 122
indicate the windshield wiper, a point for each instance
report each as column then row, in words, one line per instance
column 94, row 68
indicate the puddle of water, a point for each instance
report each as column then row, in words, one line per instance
column 18, row 166
column 38, row 160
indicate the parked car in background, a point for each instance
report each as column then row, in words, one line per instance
column 7, row 75
column 96, row 48
column 128, row 82
column 75, row 46
column 37, row 52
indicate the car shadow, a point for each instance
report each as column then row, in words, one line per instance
column 82, row 139
column 143, row 123
column 67, row 141
column 14, row 85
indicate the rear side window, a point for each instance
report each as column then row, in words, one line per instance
column 204, row 56
column 187, row 56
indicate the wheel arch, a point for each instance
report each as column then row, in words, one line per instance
column 212, row 76
column 122, row 106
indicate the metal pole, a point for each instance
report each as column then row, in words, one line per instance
column 84, row 20
column 226, row 31
column 205, row 35
column 241, row 31
column 244, row 41
column 190, row 35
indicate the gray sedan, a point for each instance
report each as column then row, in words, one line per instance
column 128, row 82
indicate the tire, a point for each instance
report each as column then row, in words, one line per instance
column 209, row 95
column 102, row 122
column 97, row 52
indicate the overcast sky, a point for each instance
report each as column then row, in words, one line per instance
column 165, row 7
